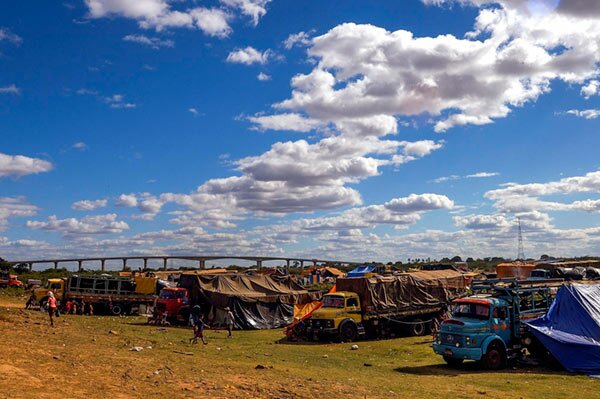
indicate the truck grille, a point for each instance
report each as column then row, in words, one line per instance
column 318, row 323
column 452, row 339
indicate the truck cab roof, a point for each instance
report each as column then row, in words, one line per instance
column 345, row 294
column 482, row 299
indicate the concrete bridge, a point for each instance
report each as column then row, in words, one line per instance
column 165, row 258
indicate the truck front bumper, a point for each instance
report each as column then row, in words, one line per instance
column 458, row 353
column 322, row 331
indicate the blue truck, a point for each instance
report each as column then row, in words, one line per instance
column 488, row 326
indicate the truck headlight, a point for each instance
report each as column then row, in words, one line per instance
column 457, row 345
column 467, row 340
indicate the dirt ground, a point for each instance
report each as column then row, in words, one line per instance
column 92, row 357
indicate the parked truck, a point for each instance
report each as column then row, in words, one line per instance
column 175, row 302
column 489, row 327
column 9, row 280
column 385, row 305
column 116, row 295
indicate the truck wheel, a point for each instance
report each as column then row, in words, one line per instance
column 495, row 357
column 348, row 332
column 418, row 328
column 452, row 361
column 116, row 310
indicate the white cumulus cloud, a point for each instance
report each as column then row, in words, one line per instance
column 20, row 165
column 89, row 205
column 584, row 113
column 10, row 89
column 153, row 42
column 249, row 55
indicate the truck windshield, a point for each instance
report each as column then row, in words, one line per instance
column 472, row 310
column 171, row 294
column 333, row 301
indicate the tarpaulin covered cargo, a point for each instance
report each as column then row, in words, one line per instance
column 145, row 285
column 257, row 301
column 519, row 270
column 406, row 291
column 571, row 328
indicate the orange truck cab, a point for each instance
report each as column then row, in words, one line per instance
column 10, row 280
column 175, row 302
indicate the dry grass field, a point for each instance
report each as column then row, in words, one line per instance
column 91, row 357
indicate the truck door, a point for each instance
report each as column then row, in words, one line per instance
column 500, row 323
column 353, row 309
column 57, row 288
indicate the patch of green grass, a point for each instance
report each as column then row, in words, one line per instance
column 403, row 367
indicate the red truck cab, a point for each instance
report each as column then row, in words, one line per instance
column 10, row 281
column 175, row 302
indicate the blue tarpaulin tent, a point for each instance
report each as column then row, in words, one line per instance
column 571, row 328
column 360, row 271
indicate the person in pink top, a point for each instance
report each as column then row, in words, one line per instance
column 51, row 307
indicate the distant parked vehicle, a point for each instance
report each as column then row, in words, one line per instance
column 117, row 295
column 9, row 280
column 175, row 302
column 540, row 274
column 32, row 283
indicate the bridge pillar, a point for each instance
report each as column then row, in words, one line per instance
column 30, row 266
column 124, row 263
column 165, row 263
column 103, row 265
column 301, row 264
column 145, row 263
column 288, row 264
column 314, row 262
column 55, row 265
column 79, row 265
column 259, row 264
column 202, row 263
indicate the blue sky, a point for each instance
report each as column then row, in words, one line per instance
column 357, row 130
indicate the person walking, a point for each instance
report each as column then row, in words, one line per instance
column 229, row 321
column 31, row 301
column 51, row 307
column 197, row 323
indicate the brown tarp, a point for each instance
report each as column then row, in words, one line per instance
column 257, row 301
column 405, row 292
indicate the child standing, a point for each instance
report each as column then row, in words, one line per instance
column 51, row 307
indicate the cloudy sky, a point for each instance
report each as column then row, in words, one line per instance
column 354, row 130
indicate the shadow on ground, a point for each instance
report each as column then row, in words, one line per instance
column 473, row 368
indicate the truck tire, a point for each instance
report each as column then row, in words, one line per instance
column 417, row 328
column 452, row 361
column 495, row 357
column 348, row 331
column 116, row 310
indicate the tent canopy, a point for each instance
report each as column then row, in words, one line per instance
column 571, row 328
column 360, row 271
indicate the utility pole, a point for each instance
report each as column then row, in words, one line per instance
column 521, row 254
